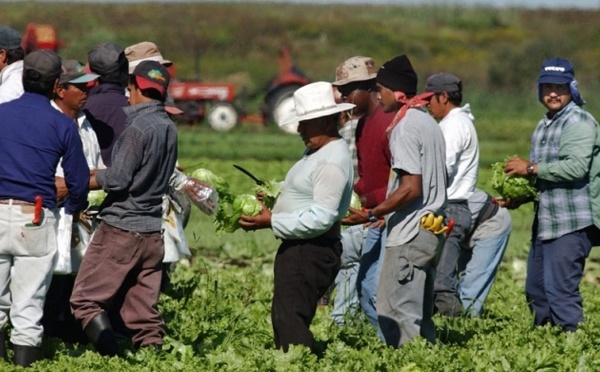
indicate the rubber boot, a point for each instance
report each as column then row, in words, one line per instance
column 100, row 333
column 3, row 354
column 25, row 356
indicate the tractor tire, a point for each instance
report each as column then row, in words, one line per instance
column 281, row 105
column 222, row 116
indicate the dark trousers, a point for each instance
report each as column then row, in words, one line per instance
column 554, row 271
column 57, row 319
column 304, row 270
column 113, row 260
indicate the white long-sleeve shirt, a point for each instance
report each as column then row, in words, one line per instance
column 91, row 147
column 315, row 194
column 462, row 152
column 11, row 82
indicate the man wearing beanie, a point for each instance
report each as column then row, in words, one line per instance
column 416, row 189
column 564, row 164
column 35, row 138
column 128, row 243
column 11, row 64
column 105, row 103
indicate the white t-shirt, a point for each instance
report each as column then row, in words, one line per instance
column 462, row 152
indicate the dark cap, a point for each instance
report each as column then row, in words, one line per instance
column 398, row 75
column 443, row 82
column 106, row 58
column 42, row 65
column 74, row 72
column 9, row 38
column 556, row 71
column 152, row 75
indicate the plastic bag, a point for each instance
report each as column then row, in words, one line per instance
column 174, row 237
column 63, row 240
column 202, row 195
column 83, row 232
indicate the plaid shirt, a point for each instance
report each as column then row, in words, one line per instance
column 564, row 148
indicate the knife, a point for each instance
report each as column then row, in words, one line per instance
column 37, row 216
column 258, row 182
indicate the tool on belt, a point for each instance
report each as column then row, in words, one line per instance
column 37, row 213
column 436, row 224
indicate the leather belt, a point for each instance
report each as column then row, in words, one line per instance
column 14, row 202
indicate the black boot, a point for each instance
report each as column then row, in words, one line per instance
column 100, row 333
column 26, row 355
column 3, row 354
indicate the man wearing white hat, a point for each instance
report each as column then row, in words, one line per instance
column 315, row 197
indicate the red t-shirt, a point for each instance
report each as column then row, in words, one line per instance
column 374, row 156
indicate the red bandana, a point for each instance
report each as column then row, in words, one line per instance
column 415, row 102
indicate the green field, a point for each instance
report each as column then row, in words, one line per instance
column 217, row 310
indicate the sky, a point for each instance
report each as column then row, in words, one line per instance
column 553, row 4
column 583, row 4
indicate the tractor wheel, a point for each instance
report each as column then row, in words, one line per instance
column 281, row 105
column 222, row 116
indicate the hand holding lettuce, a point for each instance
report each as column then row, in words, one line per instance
column 231, row 207
column 519, row 189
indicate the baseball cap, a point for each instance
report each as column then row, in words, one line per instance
column 74, row 72
column 144, row 51
column 152, row 75
column 443, row 82
column 357, row 68
column 9, row 38
column 106, row 57
column 556, row 71
column 42, row 65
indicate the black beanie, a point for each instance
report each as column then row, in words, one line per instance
column 398, row 75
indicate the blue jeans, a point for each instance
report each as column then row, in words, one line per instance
column 478, row 269
column 345, row 302
column 554, row 271
column 446, row 279
column 369, row 272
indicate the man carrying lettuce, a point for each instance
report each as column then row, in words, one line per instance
column 565, row 164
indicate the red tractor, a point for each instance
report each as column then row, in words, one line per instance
column 40, row 36
column 216, row 102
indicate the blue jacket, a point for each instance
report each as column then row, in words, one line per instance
column 104, row 110
column 33, row 138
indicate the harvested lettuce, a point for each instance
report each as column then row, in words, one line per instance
column 517, row 188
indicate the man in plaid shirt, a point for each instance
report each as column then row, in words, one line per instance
column 565, row 164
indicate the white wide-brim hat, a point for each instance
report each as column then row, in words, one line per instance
column 313, row 101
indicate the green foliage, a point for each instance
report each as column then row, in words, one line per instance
column 96, row 197
column 217, row 307
column 269, row 191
